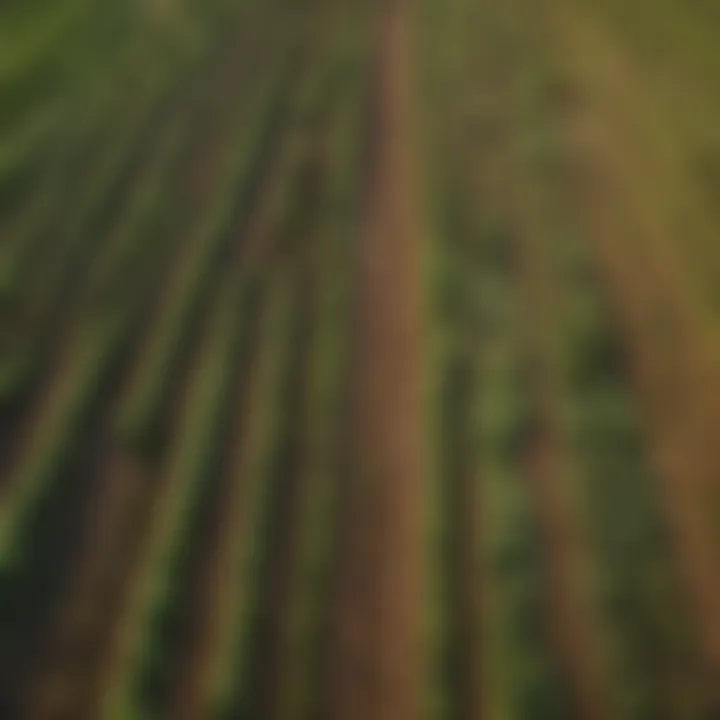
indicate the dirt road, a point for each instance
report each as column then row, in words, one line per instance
column 377, row 654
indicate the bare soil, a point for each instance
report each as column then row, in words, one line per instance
column 377, row 656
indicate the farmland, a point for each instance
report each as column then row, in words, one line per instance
column 359, row 360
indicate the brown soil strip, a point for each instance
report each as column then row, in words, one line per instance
column 377, row 659
column 671, row 363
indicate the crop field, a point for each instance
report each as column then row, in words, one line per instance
column 359, row 360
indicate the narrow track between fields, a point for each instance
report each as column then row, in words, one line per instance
column 377, row 655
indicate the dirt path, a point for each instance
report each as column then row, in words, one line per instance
column 377, row 655
column 671, row 361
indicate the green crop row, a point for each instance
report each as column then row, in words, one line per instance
column 329, row 255
column 186, row 485
column 100, row 140
column 249, row 470
column 36, row 288
column 28, row 354
column 656, row 653
column 491, row 649
column 89, row 355
column 523, row 677
column 158, row 659
column 651, row 651
column 282, row 637
column 83, row 370
column 140, row 414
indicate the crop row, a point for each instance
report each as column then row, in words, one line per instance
column 218, row 317
column 649, row 646
column 91, row 357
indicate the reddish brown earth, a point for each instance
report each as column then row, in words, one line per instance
column 377, row 655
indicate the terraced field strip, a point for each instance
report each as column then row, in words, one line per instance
column 679, row 65
column 287, row 592
column 34, row 561
column 28, row 84
column 74, row 388
column 221, row 303
column 267, row 670
column 568, row 556
column 221, row 190
column 606, row 80
column 217, row 670
column 189, row 470
column 62, row 189
column 496, row 527
column 537, row 619
column 648, row 653
column 54, row 424
column 284, row 653
column 455, row 579
column 125, row 164
column 101, row 170
column 569, row 559
column 671, row 361
column 677, row 57
column 523, row 666
column 46, row 318
column 36, row 291
column 115, row 470
column 139, row 418
column 521, row 674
